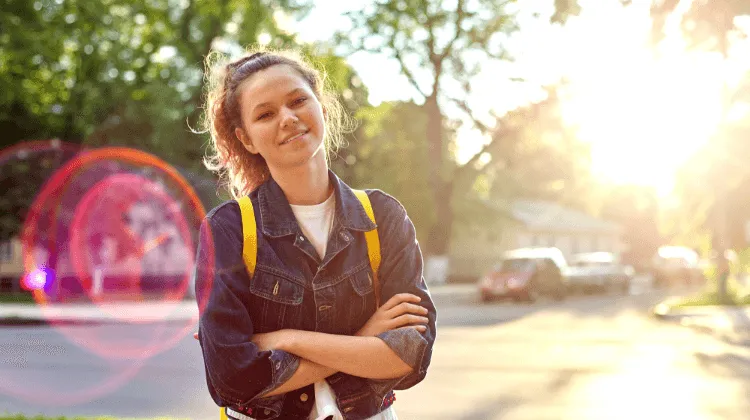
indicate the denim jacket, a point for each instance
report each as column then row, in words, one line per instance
column 293, row 288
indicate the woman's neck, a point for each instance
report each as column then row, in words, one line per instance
column 305, row 185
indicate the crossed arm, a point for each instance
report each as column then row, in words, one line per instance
column 392, row 349
column 364, row 354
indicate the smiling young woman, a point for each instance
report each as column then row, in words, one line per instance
column 301, row 335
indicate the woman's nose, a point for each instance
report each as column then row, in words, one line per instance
column 288, row 119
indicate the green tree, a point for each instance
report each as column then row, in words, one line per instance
column 128, row 73
column 440, row 48
column 119, row 72
column 711, row 26
column 388, row 155
column 636, row 209
column 535, row 154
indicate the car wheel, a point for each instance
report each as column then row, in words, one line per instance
column 531, row 295
column 560, row 293
column 625, row 287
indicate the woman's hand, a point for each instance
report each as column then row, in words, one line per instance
column 402, row 310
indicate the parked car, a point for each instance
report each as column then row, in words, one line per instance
column 677, row 265
column 525, row 275
column 599, row 272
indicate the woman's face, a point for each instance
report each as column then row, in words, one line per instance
column 282, row 118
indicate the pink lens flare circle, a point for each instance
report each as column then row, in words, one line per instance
column 157, row 245
column 104, row 222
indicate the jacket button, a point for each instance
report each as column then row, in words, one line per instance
column 266, row 411
column 301, row 238
column 303, row 397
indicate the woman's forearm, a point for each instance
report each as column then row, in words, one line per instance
column 366, row 357
column 307, row 373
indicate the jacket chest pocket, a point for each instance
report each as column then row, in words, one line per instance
column 276, row 302
column 361, row 304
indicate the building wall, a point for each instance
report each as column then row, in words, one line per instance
column 11, row 258
column 570, row 243
column 473, row 253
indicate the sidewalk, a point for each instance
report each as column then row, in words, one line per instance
column 116, row 312
column 729, row 323
column 150, row 312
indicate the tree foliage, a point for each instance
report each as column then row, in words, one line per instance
column 440, row 47
column 718, row 203
column 119, row 72
column 128, row 73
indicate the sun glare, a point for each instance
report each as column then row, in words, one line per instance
column 644, row 114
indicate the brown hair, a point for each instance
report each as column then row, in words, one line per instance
column 239, row 170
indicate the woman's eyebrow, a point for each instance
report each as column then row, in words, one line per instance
column 291, row 93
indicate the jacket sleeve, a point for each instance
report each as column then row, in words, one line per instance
column 401, row 272
column 237, row 372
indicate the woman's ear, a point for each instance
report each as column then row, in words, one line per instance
column 245, row 140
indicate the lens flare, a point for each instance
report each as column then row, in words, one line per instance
column 113, row 231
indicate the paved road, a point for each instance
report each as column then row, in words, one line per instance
column 586, row 358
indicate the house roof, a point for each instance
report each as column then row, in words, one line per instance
column 546, row 215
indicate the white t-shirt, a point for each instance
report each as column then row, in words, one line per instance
column 316, row 222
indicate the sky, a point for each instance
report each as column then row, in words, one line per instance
column 644, row 111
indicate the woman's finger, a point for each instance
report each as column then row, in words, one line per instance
column 406, row 308
column 398, row 298
column 408, row 319
column 420, row 328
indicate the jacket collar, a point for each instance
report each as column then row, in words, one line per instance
column 277, row 218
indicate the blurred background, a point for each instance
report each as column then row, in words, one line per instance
column 575, row 169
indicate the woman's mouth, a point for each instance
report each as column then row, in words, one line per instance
column 294, row 137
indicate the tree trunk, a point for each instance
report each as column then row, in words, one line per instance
column 720, row 233
column 438, row 241
column 439, row 235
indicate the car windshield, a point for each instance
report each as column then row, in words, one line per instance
column 517, row 264
column 590, row 263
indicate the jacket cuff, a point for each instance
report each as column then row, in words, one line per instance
column 409, row 345
column 283, row 366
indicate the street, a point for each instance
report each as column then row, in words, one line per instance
column 590, row 357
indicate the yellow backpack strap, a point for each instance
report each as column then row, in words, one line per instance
column 249, row 250
column 373, row 243
column 249, row 234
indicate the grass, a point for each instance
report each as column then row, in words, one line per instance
column 22, row 417
column 16, row 298
column 737, row 295
column 711, row 298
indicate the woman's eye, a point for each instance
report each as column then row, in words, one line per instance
column 299, row 100
column 264, row 116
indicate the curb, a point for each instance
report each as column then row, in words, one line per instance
column 726, row 333
column 707, row 320
column 15, row 321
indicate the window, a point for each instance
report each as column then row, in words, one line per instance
column 6, row 251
